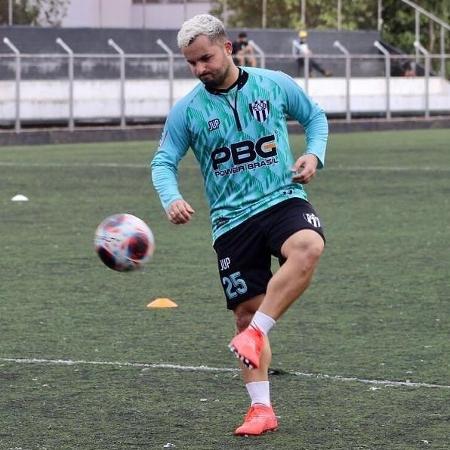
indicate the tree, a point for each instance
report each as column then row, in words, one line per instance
column 355, row 14
column 24, row 13
column 34, row 12
column 399, row 25
column 398, row 19
column 322, row 14
column 52, row 12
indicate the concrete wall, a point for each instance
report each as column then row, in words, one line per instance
column 98, row 13
column 165, row 15
column 125, row 14
column 148, row 100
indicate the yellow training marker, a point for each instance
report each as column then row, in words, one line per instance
column 162, row 303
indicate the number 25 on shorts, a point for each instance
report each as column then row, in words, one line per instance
column 234, row 285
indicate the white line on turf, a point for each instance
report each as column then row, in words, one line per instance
column 147, row 166
column 70, row 362
column 76, row 165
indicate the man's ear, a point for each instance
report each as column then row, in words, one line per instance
column 228, row 48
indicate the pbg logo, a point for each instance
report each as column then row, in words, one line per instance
column 244, row 151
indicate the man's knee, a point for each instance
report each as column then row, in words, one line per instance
column 305, row 245
column 315, row 247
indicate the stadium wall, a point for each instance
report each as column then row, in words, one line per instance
column 99, row 101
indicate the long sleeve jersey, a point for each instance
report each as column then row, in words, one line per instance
column 240, row 140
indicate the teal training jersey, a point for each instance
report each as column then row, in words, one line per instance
column 240, row 140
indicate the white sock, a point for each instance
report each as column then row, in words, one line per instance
column 263, row 322
column 259, row 392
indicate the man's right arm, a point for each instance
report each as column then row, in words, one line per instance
column 173, row 146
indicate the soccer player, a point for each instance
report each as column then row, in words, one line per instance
column 235, row 123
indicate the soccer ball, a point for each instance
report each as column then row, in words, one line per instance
column 124, row 242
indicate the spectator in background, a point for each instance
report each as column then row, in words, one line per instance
column 243, row 52
column 408, row 69
column 304, row 51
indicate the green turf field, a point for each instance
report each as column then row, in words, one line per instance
column 85, row 365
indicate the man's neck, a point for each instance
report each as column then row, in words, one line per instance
column 232, row 78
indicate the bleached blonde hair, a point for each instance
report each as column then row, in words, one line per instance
column 204, row 24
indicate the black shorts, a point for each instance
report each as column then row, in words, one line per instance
column 244, row 253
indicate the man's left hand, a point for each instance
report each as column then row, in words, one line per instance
column 305, row 168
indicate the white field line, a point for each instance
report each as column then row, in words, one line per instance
column 76, row 165
column 147, row 166
column 319, row 376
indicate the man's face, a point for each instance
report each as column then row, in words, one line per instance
column 209, row 61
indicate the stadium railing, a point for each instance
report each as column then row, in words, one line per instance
column 72, row 89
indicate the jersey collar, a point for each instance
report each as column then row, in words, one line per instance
column 240, row 82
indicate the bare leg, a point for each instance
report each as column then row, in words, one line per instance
column 302, row 251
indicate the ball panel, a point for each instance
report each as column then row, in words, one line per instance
column 138, row 246
column 107, row 258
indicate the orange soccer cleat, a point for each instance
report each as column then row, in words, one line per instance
column 247, row 346
column 258, row 420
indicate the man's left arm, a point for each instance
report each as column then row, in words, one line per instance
column 311, row 116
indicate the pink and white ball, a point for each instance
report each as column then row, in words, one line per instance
column 124, row 242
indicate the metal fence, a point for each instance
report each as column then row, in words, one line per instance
column 19, row 70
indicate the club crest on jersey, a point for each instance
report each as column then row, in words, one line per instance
column 260, row 109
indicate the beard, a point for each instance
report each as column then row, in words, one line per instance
column 217, row 80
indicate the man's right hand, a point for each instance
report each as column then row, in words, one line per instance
column 179, row 212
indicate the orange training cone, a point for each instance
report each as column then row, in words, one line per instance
column 162, row 303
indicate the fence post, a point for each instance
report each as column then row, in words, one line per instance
column 387, row 59
column 169, row 52
column 69, row 51
column 18, row 81
column 338, row 45
column 261, row 54
column 422, row 50
column 296, row 46
column 417, row 32
column 122, row 81
column 442, row 45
